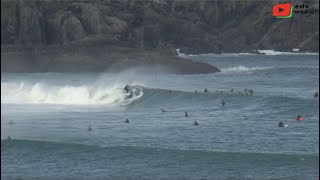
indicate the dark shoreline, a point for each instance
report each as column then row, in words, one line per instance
column 104, row 58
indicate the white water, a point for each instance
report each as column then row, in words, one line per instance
column 243, row 69
column 41, row 93
column 273, row 53
column 264, row 52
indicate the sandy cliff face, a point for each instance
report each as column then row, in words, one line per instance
column 192, row 25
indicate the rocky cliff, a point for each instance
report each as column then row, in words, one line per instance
column 194, row 26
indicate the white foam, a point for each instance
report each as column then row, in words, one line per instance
column 179, row 53
column 138, row 94
column 273, row 53
column 243, row 69
column 265, row 52
column 39, row 93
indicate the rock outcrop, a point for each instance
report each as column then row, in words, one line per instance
column 99, row 58
column 193, row 26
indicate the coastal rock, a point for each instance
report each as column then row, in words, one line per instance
column 90, row 17
column 72, row 29
column 101, row 58
column 31, row 24
column 193, row 26
column 160, row 26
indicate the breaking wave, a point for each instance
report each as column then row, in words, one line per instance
column 273, row 53
column 243, row 69
column 40, row 93
column 263, row 52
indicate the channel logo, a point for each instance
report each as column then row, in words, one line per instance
column 282, row 10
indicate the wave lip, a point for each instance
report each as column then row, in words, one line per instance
column 39, row 93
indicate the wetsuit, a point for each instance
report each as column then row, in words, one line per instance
column 299, row 118
column 126, row 88
column 195, row 123
column 281, row 124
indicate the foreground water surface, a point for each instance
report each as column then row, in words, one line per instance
column 47, row 116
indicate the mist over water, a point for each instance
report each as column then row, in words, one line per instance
column 47, row 116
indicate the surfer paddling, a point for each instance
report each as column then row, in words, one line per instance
column 89, row 128
column 251, row 92
column 195, row 123
column 222, row 102
column 280, row 124
column 299, row 118
column 126, row 121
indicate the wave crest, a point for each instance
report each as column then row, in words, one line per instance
column 274, row 53
column 39, row 93
column 243, row 69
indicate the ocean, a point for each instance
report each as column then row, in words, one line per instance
column 47, row 116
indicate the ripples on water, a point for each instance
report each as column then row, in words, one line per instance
column 50, row 114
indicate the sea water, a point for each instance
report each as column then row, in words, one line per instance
column 47, row 116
